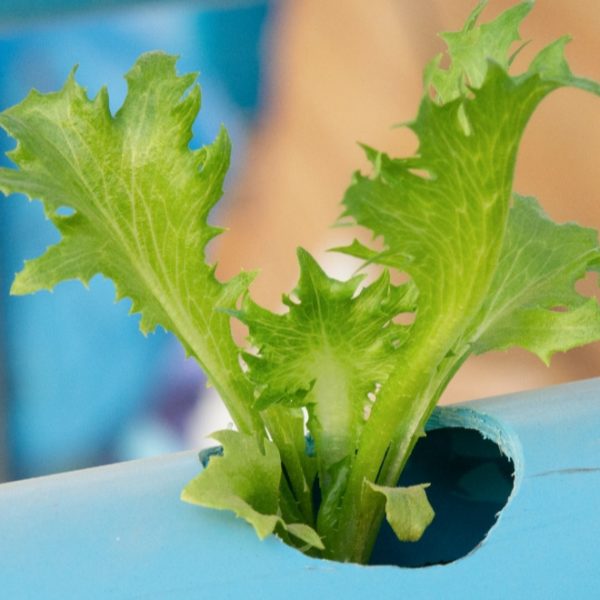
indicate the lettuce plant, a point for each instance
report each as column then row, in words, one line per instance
column 485, row 269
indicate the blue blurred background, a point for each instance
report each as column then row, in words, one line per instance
column 80, row 385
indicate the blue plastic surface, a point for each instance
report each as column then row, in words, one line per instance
column 121, row 531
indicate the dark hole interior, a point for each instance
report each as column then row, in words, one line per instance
column 471, row 481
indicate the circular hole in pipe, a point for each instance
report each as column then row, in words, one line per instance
column 471, row 481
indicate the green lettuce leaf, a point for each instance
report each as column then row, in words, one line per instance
column 442, row 216
column 139, row 200
column 246, row 480
column 308, row 356
column 443, row 213
column 471, row 49
column 532, row 302
column 407, row 510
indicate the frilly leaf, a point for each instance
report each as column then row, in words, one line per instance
column 407, row 510
column 246, row 480
column 532, row 302
column 139, row 199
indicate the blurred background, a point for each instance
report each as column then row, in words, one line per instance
column 297, row 83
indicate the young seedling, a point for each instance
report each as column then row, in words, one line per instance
column 486, row 270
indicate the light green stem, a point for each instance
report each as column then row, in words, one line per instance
column 399, row 451
column 400, row 406
column 292, row 448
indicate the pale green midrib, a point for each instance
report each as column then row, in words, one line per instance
column 333, row 402
column 333, row 410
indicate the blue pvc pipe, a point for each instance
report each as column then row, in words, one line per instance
column 122, row 532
